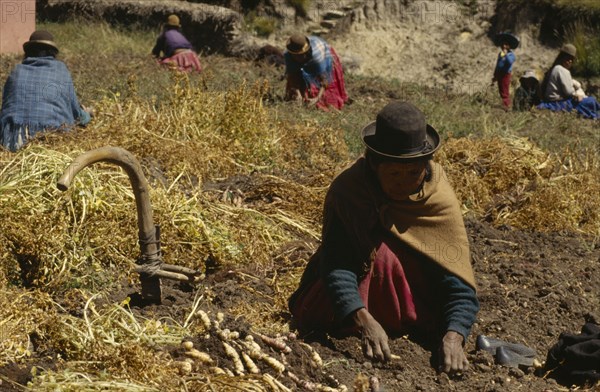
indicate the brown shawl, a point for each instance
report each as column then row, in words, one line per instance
column 430, row 222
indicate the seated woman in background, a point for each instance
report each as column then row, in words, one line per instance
column 528, row 93
column 559, row 92
column 314, row 73
column 177, row 52
column 38, row 95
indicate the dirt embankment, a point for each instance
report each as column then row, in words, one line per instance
column 552, row 22
column 440, row 44
column 211, row 28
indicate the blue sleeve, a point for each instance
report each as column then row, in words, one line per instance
column 461, row 305
column 342, row 287
column 511, row 58
column 84, row 117
column 504, row 64
column 340, row 267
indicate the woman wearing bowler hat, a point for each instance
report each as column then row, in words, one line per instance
column 394, row 256
column 174, row 50
column 38, row 95
column 559, row 93
column 314, row 72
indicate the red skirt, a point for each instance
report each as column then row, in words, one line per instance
column 335, row 95
column 396, row 293
column 185, row 61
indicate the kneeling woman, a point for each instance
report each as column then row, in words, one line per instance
column 314, row 72
column 394, row 256
column 559, row 92
column 177, row 52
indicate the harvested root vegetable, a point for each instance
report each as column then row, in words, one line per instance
column 217, row 370
column 184, row 367
column 187, row 345
column 305, row 384
column 325, row 388
column 234, row 356
column 250, row 365
column 255, row 352
column 274, row 363
column 220, row 317
column 275, row 384
column 226, row 335
column 314, row 355
column 277, row 344
column 254, row 349
column 199, row 355
column 204, row 318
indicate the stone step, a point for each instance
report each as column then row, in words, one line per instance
column 328, row 24
column 334, row 15
column 320, row 32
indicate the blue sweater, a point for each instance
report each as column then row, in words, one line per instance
column 38, row 95
column 504, row 64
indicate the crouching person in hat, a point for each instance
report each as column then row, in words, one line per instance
column 528, row 93
column 558, row 89
column 39, row 95
column 394, row 257
column 173, row 49
column 314, row 73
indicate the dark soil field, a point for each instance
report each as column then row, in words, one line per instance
column 535, row 280
column 532, row 287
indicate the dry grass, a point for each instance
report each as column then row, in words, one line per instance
column 238, row 181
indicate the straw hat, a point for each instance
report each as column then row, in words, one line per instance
column 173, row 20
column 297, row 44
column 401, row 132
column 529, row 74
column 569, row 49
column 41, row 37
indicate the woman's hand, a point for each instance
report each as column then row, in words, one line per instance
column 452, row 355
column 88, row 109
column 312, row 101
column 374, row 340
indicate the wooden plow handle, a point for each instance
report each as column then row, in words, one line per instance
column 150, row 265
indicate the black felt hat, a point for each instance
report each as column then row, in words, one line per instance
column 41, row 37
column 401, row 132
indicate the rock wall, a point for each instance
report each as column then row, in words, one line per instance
column 552, row 22
column 210, row 28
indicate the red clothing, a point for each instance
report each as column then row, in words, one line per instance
column 334, row 95
column 184, row 61
column 504, row 87
column 395, row 292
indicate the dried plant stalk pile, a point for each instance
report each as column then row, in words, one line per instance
column 229, row 183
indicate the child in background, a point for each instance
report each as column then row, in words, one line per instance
column 528, row 94
column 504, row 65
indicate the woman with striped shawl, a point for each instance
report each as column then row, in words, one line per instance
column 314, row 73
